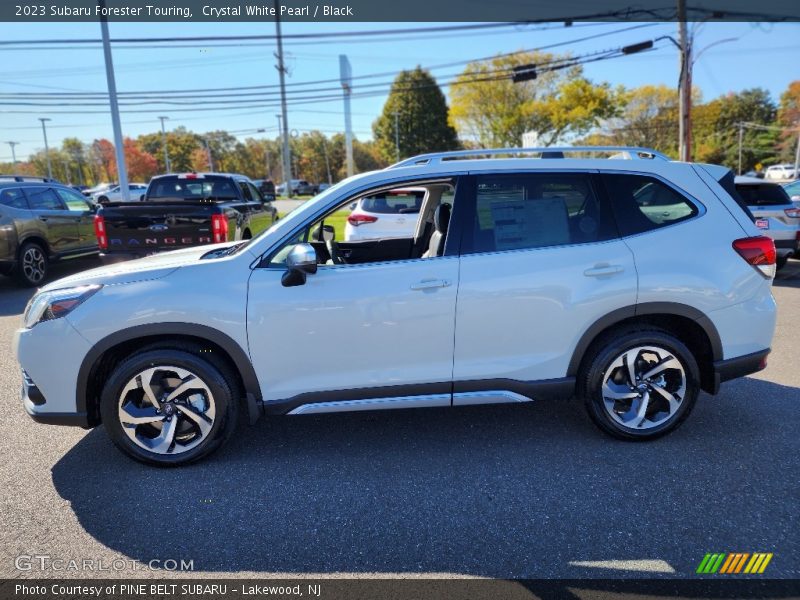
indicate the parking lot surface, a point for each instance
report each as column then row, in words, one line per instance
column 505, row 491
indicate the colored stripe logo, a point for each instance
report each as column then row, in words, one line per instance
column 732, row 563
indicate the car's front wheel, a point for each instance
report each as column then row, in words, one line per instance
column 169, row 407
column 32, row 264
column 639, row 384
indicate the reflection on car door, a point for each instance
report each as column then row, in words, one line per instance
column 81, row 210
column 540, row 260
column 60, row 225
column 373, row 330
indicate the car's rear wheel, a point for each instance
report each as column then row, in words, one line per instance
column 169, row 407
column 32, row 264
column 639, row 384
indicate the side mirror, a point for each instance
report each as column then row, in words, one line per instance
column 301, row 261
column 323, row 233
column 141, row 198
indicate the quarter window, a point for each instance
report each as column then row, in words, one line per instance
column 13, row 198
column 643, row 203
column 536, row 210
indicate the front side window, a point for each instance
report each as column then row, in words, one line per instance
column 73, row 200
column 520, row 211
column 643, row 203
column 42, row 198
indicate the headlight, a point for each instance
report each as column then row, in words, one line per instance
column 57, row 303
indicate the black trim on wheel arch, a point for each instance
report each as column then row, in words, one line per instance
column 739, row 366
column 643, row 309
column 163, row 331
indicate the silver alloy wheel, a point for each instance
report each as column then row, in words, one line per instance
column 166, row 410
column 33, row 264
column 644, row 387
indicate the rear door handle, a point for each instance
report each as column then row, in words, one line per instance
column 603, row 270
column 43, row 219
column 429, row 284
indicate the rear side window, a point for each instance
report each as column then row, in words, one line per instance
column 74, row 200
column 42, row 198
column 394, row 202
column 763, row 194
column 514, row 212
column 642, row 203
column 13, row 198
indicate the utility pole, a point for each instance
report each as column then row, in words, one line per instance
column 287, row 161
column 167, row 166
column 397, row 134
column 119, row 147
column 210, row 159
column 346, row 79
column 797, row 155
column 283, row 154
column 685, row 86
column 46, row 149
column 67, row 172
column 741, row 139
column 13, row 152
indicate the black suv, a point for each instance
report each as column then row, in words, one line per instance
column 41, row 222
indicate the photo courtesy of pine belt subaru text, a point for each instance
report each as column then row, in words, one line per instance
column 613, row 275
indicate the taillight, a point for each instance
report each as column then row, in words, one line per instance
column 219, row 228
column 100, row 232
column 759, row 252
column 357, row 219
column 793, row 212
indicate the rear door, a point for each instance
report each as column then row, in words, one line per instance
column 540, row 263
column 60, row 224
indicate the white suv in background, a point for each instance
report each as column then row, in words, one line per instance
column 631, row 284
column 781, row 172
column 387, row 214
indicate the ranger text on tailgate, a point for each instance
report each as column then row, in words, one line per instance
column 179, row 211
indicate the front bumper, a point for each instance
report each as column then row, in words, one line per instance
column 33, row 401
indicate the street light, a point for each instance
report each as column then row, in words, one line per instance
column 13, row 152
column 46, row 149
column 164, row 143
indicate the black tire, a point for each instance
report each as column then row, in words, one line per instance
column 602, row 356
column 102, row 200
column 32, row 264
column 214, row 373
column 781, row 262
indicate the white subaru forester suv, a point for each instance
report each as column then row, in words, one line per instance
column 530, row 275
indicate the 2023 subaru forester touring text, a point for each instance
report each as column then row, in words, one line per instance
column 632, row 284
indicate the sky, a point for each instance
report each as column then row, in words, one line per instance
column 730, row 57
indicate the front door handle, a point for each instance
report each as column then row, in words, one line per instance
column 429, row 284
column 603, row 270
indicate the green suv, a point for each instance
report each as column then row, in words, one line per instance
column 41, row 222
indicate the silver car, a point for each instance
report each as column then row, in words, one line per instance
column 774, row 213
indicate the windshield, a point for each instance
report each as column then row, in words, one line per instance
column 201, row 187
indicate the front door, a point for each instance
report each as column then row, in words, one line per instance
column 369, row 331
column 60, row 225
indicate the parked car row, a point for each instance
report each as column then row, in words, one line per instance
column 43, row 221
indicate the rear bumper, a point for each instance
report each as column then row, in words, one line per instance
column 733, row 368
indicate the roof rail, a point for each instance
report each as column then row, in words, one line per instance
column 625, row 152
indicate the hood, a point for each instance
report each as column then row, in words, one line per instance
column 141, row 269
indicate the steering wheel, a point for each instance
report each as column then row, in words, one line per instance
column 333, row 250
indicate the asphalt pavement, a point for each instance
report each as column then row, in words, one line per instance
column 504, row 491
